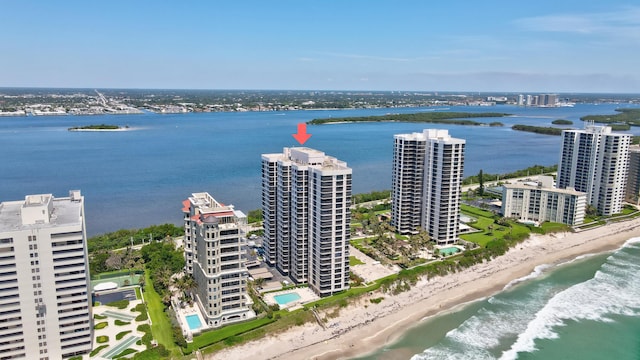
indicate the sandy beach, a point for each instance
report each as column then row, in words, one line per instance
column 364, row 327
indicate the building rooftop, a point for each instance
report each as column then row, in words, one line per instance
column 542, row 186
column 304, row 156
column 38, row 211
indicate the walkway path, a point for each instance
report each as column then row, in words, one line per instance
column 120, row 347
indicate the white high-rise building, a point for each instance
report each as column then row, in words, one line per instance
column 45, row 297
column 306, row 197
column 595, row 161
column 632, row 193
column 427, row 173
column 409, row 151
column 540, row 201
column 215, row 249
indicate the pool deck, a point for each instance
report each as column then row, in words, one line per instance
column 182, row 314
column 447, row 252
column 306, row 295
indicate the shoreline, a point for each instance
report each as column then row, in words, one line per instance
column 102, row 130
column 363, row 327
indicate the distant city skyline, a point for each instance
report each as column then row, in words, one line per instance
column 505, row 46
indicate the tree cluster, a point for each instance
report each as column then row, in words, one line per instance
column 624, row 116
column 254, row 216
column 532, row 170
column 162, row 261
column 423, row 117
column 123, row 238
column 539, row 129
column 371, row 196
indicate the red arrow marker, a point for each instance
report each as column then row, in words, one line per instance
column 302, row 135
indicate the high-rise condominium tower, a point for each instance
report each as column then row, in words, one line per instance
column 214, row 246
column 45, row 298
column 427, row 172
column 595, row 160
column 305, row 203
column 632, row 193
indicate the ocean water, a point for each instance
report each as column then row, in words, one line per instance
column 587, row 308
column 138, row 178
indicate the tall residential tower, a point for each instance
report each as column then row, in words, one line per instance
column 632, row 193
column 305, row 203
column 595, row 161
column 427, row 173
column 215, row 252
column 45, row 298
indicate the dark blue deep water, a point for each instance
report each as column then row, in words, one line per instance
column 138, row 178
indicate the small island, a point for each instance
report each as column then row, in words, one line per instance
column 562, row 122
column 539, row 129
column 100, row 127
column 454, row 118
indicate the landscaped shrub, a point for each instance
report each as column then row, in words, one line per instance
column 125, row 352
column 95, row 351
column 99, row 317
column 178, row 338
column 121, row 323
column 101, row 325
column 147, row 337
column 158, row 352
column 142, row 317
column 102, row 339
column 120, row 304
column 120, row 335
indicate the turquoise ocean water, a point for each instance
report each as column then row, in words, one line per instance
column 588, row 308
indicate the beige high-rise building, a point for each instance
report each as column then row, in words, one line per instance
column 215, row 253
column 45, row 297
column 306, row 197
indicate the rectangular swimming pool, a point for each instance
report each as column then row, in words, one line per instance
column 284, row 299
column 193, row 321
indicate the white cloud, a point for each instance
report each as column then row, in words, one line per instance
column 620, row 23
column 367, row 57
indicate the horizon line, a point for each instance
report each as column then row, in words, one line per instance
column 319, row 90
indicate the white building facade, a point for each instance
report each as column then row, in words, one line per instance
column 409, row 151
column 427, row 175
column 306, row 197
column 539, row 202
column 45, row 297
column 595, row 161
column 632, row 193
column 216, row 245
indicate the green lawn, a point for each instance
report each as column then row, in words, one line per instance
column 216, row 335
column 549, row 227
column 475, row 211
column 486, row 219
column 160, row 324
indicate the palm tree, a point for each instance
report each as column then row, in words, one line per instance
column 259, row 282
column 189, row 284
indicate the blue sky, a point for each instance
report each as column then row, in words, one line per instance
column 550, row 46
